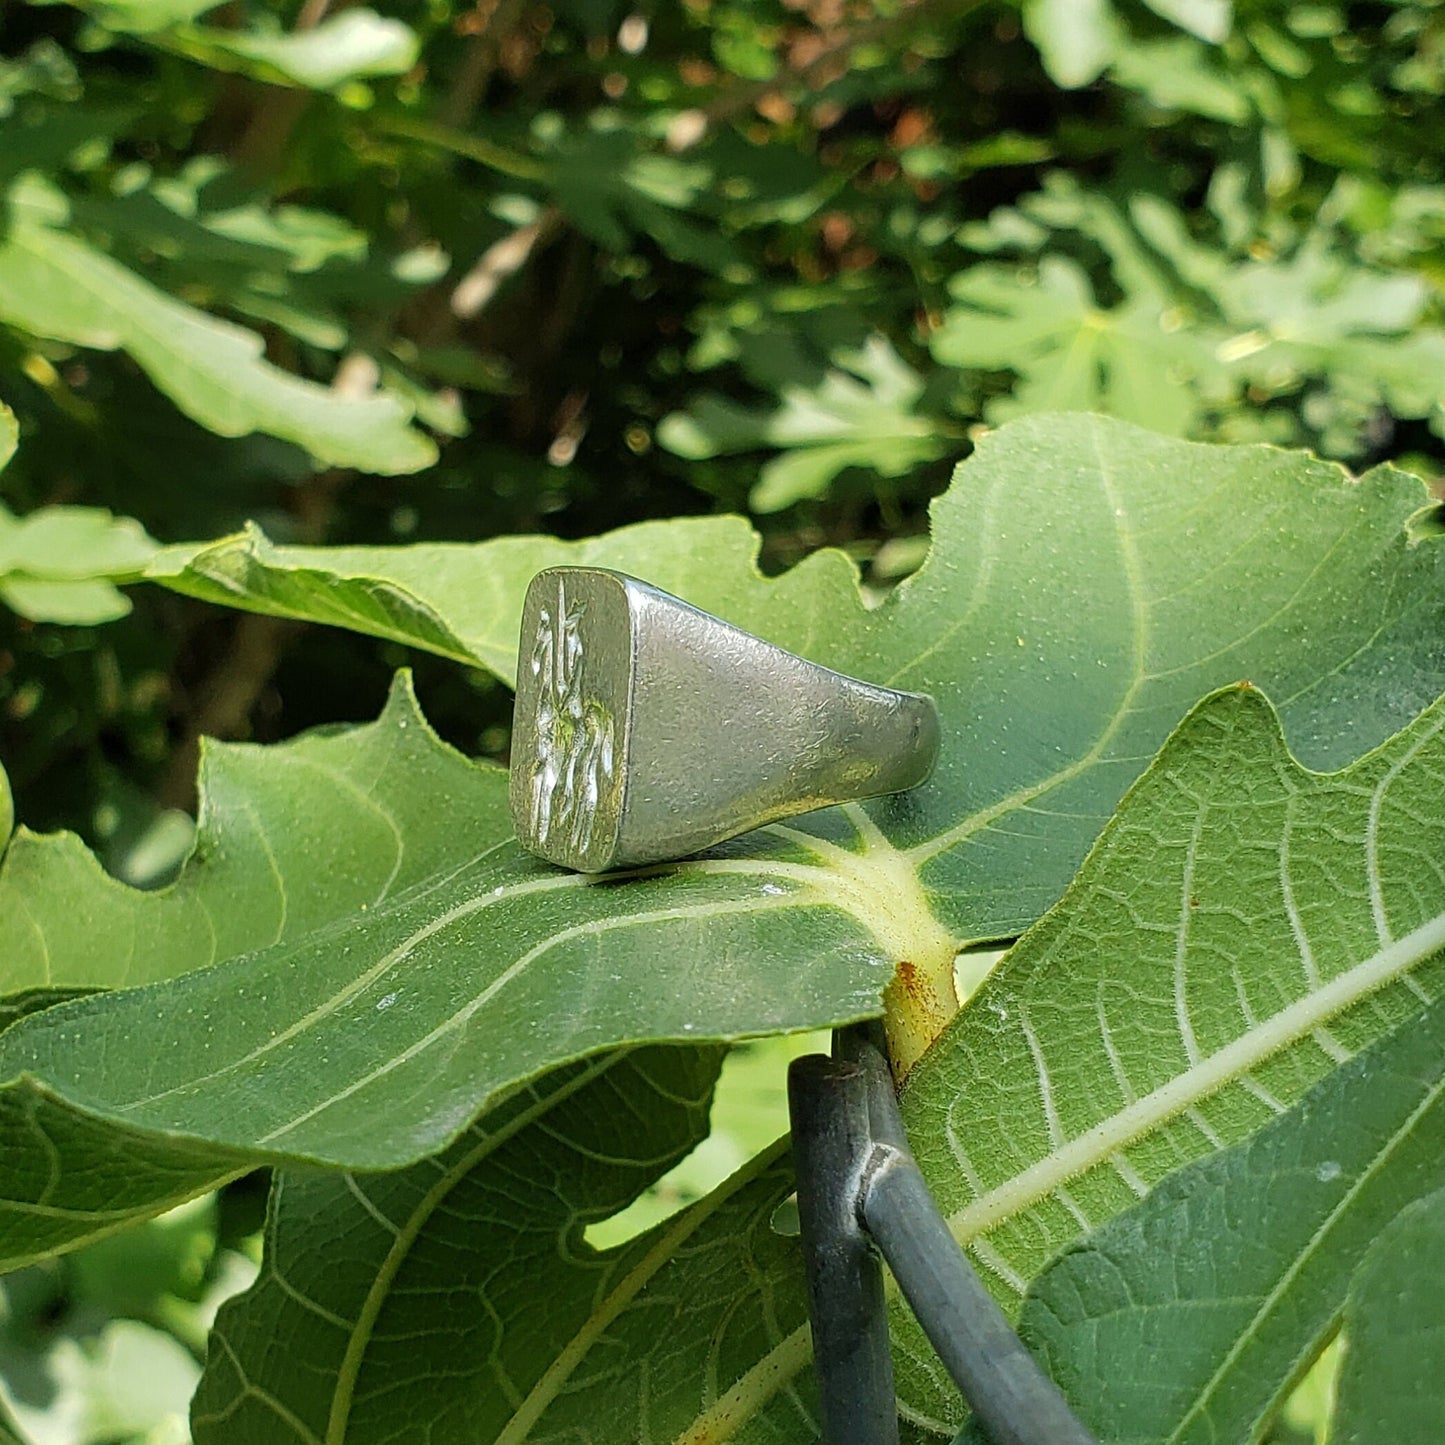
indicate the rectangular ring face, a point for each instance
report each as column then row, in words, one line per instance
column 570, row 722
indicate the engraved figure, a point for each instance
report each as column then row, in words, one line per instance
column 574, row 733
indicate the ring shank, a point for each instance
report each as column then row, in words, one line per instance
column 730, row 732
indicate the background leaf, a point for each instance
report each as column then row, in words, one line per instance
column 141, row 15
column 863, row 416
column 345, row 47
column 55, row 563
column 1072, row 354
column 1075, row 40
column 54, row 284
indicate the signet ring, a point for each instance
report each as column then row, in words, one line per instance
column 646, row 730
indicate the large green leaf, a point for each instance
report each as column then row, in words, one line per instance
column 659, row 1332
column 1394, row 1320
column 388, row 962
column 1173, row 1323
column 465, row 601
column 1089, row 582
column 439, row 1258
column 55, row 284
column 383, row 945
column 1242, row 928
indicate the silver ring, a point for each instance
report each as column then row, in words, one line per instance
column 646, row 730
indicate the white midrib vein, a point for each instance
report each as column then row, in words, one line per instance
column 1099, row 1144
column 876, row 887
column 1289, row 1026
column 920, row 853
column 670, row 1238
column 379, row 1290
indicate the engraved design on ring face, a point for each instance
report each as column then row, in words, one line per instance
column 574, row 761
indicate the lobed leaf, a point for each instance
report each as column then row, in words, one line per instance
column 464, row 601
column 1088, row 583
column 365, row 954
column 460, row 1274
column 1192, row 327
column 1133, row 361
column 291, row 840
column 1242, row 928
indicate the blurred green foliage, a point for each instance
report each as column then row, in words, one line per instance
column 439, row 270
column 107, row 1344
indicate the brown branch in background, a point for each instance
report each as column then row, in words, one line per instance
column 501, row 260
column 431, row 319
column 225, row 700
column 487, row 27
column 814, row 62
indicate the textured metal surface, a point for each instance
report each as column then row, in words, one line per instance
column 646, row 730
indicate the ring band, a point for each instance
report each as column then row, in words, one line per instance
column 646, row 730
